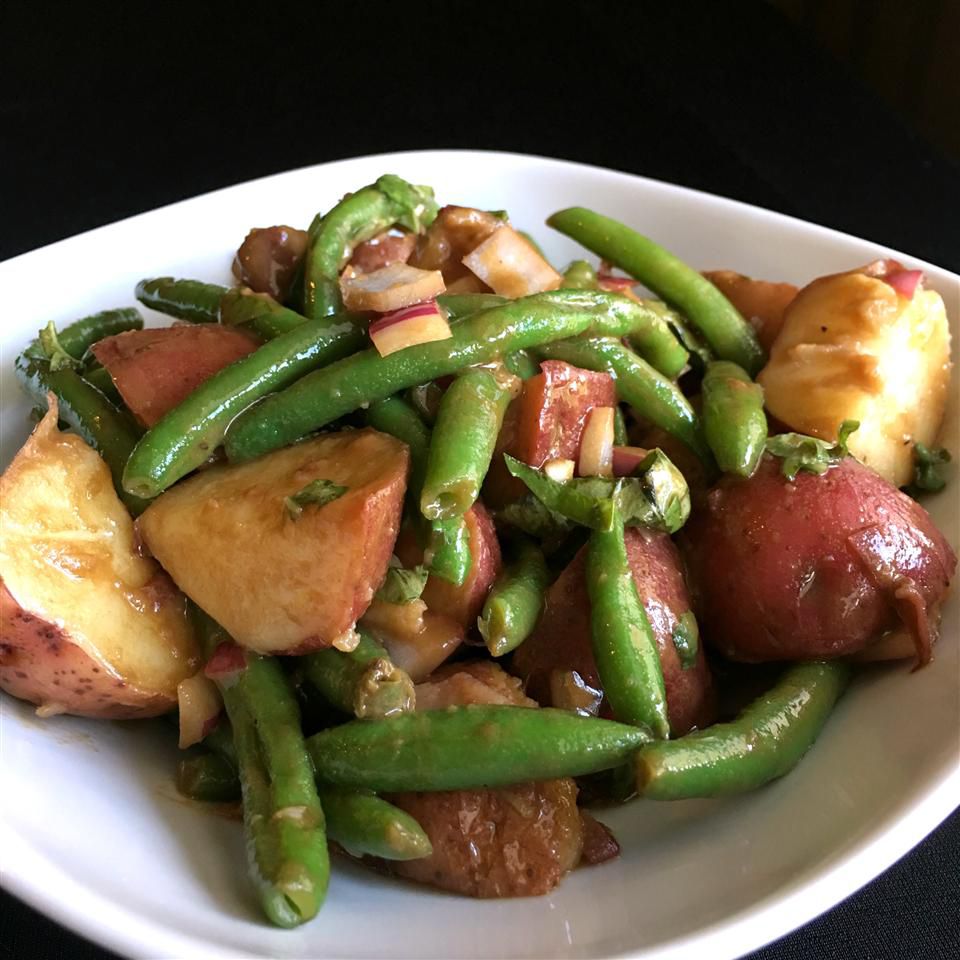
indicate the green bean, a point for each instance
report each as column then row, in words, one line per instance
column 108, row 430
column 461, row 748
column 733, row 419
column 514, row 603
column 425, row 399
column 287, row 846
column 460, row 305
column 521, row 364
column 190, row 300
column 580, row 275
column 654, row 396
column 448, row 551
column 398, row 418
column 259, row 312
column 326, row 395
column 620, row 437
column 362, row 823
column 100, row 378
column 76, row 338
column 468, row 423
column 186, row 436
column 766, row 741
column 366, row 825
column 357, row 217
column 731, row 337
column 363, row 682
column 208, row 777
column 623, row 643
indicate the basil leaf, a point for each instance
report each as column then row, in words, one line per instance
column 317, row 493
column 402, row 585
column 656, row 496
column 686, row 638
column 800, row 452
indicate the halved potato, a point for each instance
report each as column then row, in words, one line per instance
column 275, row 582
column 88, row 625
column 852, row 348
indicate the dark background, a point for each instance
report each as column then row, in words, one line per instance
column 842, row 113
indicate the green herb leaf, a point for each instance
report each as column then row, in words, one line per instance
column 800, row 452
column 317, row 493
column 417, row 206
column 656, row 496
column 402, row 585
column 58, row 357
column 686, row 638
column 929, row 468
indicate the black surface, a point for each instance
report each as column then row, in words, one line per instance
column 107, row 113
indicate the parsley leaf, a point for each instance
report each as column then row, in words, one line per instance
column 929, row 468
column 402, row 585
column 686, row 638
column 800, row 452
column 316, row 493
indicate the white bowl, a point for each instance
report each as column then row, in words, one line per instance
column 92, row 831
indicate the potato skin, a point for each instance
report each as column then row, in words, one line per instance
column 761, row 302
column 40, row 663
column 562, row 638
column 515, row 841
column 817, row 568
column 463, row 604
column 156, row 369
column 87, row 625
column 278, row 584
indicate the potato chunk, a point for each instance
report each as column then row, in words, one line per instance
column 276, row 583
column 516, row 841
column 852, row 348
column 88, row 626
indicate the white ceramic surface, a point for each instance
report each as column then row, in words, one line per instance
column 92, row 832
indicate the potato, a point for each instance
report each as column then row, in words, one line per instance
column 156, row 369
column 88, row 626
column 762, row 303
column 852, row 348
column 276, row 583
column 452, row 235
column 463, row 604
column 510, row 842
column 561, row 641
column 816, row 568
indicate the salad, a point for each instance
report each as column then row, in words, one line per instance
column 428, row 547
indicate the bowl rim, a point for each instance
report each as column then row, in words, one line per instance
column 30, row 876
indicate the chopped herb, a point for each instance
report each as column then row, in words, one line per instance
column 929, row 468
column 686, row 638
column 402, row 585
column 656, row 496
column 58, row 357
column 800, row 452
column 317, row 493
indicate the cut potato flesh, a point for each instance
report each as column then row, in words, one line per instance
column 510, row 266
column 89, row 626
column 276, row 583
column 851, row 348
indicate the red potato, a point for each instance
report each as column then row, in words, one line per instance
column 546, row 422
column 455, row 233
column 156, row 369
column 268, row 259
column 279, row 582
column 820, row 567
column 87, row 625
column 516, row 841
column 463, row 604
column 561, row 641
column 391, row 246
column 761, row 302
column 417, row 639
